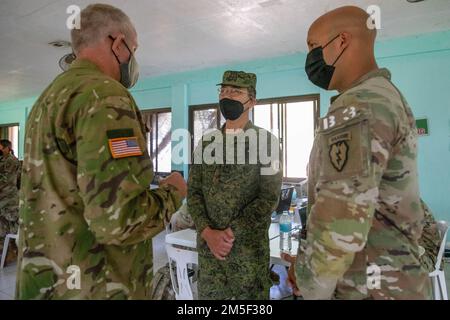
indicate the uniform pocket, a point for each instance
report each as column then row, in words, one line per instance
column 345, row 150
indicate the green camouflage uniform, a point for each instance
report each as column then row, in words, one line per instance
column 234, row 196
column 80, row 205
column 9, row 196
column 366, row 216
column 240, row 198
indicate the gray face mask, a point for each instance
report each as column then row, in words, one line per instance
column 129, row 71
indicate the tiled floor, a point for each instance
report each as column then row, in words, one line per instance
column 280, row 292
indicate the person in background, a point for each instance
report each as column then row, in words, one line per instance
column 9, row 197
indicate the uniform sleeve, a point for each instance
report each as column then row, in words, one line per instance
column 119, row 206
column 195, row 200
column 355, row 146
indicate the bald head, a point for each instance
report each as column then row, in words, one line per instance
column 352, row 20
column 349, row 33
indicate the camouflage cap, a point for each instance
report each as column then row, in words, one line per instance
column 239, row 79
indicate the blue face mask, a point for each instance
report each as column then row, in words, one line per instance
column 318, row 71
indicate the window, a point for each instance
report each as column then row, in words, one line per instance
column 202, row 119
column 11, row 133
column 293, row 121
column 159, row 139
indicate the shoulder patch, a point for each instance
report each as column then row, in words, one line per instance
column 339, row 149
column 120, row 133
column 345, row 143
column 124, row 147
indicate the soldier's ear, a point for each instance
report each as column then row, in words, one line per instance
column 345, row 39
column 118, row 46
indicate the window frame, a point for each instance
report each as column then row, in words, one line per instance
column 200, row 107
column 152, row 113
column 281, row 102
column 276, row 102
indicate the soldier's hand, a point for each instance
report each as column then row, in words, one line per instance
column 177, row 181
column 230, row 234
column 219, row 242
column 292, row 279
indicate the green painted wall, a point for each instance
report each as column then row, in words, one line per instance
column 420, row 67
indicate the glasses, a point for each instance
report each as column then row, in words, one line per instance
column 234, row 92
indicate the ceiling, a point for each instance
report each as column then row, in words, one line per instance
column 183, row 35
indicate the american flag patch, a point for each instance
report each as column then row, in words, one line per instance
column 125, row 147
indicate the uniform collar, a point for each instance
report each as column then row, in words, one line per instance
column 248, row 126
column 382, row 72
column 84, row 64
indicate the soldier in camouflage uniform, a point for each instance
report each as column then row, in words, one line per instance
column 231, row 202
column 87, row 213
column 366, row 216
column 9, row 195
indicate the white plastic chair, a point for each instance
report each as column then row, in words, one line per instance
column 5, row 247
column 438, row 275
column 180, row 282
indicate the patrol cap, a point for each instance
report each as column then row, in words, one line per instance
column 239, row 79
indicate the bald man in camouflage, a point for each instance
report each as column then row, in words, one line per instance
column 366, row 215
column 87, row 213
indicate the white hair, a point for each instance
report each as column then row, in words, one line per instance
column 98, row 21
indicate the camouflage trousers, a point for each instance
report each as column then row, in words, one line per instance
column 245, row 275
column 9, row 222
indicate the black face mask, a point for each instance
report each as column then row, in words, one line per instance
column 232, row 109
column 318, row 71
column 1, row 153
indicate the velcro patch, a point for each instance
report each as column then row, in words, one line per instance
column 125, row 147
column 345, row 151
column 120, row 133
column 345, row 143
